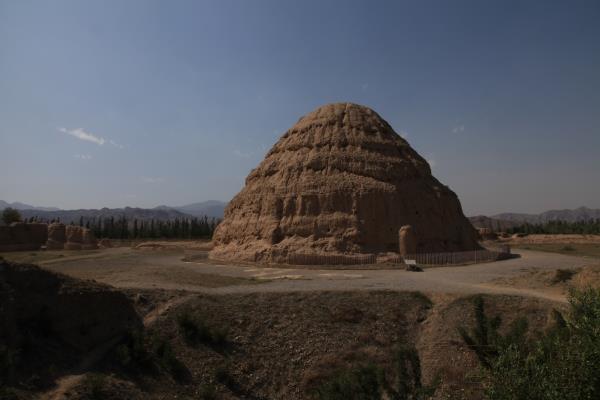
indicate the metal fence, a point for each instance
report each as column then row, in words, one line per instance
column 449, row 258
column 456, row 258
column 330, row 259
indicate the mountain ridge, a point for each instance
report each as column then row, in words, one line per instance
column 566, row 215
column 209, row 209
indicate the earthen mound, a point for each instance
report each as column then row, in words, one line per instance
column 51, row 319
column 57, row 236
column 340, row 181
column 70, row 237
column 487, row 234
column 20, row 236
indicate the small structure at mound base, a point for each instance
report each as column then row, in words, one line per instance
column 341, row 182
column 408, row 242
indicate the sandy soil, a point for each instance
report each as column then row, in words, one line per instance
column 164, row 269
column 553, row 239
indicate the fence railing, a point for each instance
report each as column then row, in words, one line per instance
column 449, row 258
column 456, row 258
column 330, row 259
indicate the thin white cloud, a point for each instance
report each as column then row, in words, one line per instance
column 364, row 86
column 117, row 145
column 80, row 134
column 83, row 156
column 242, row 154
column 150, row 179
column 458, row 128
column 403, row 135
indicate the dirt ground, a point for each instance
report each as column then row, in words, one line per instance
column 160, row 268
column 283, row 345
column 288, row 328
column 553, row 239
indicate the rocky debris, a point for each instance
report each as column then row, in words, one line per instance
column 105, row 243
column 57, row 236
column 20, row 236
column 487, row 234
column 70, row 237
column 80, row 238
column 340, row 181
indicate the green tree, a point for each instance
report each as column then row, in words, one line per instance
column 559, row 364
column 10, row 215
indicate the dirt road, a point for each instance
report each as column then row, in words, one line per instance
column 126, row 268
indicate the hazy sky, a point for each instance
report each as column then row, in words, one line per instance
column 141, row 103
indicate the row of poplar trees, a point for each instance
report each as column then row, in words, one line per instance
column 589, row 227
column 126, row 228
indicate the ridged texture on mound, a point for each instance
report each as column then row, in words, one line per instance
column 340, row 181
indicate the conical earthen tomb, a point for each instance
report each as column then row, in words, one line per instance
column 340, row 181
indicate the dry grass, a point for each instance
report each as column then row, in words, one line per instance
column 38, row 257
column 571, row 249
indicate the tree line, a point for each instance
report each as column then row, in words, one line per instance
column 589, row 227
column 127, row 228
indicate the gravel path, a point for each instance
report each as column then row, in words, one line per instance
column 128, row 268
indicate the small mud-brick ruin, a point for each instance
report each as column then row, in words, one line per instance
column 341, row 182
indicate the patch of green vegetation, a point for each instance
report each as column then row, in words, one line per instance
column 559, row 364
column 9, row 393
column 563, row 275
column 207, row 392
column 195, row 330
column 422, row 297
column 137, row 352
column 223, row 375
column 94, row 386
column 166, row 359
column 371, row 382
column 8, row 363
column 132, row 353
column 360, row 382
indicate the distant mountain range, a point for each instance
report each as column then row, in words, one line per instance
column 500, row 222
column 23, row 206
column 496, row 225
column 215, row 209
column 210, row 209
column 578, row 214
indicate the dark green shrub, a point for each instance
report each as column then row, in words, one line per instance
column 207, row 392
column 223, row 375
column 8, row 364
column 195, row 330
column 10, row 215
column 559, row 364
column 132, row 352
column 8, row 393
column 165, row 358
column 95, row 386
column 563, row 275
column 357, row 383
column 406, row 382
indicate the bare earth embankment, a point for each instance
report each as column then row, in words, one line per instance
column 271, row 333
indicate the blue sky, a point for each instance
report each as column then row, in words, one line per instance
column 141, row 103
